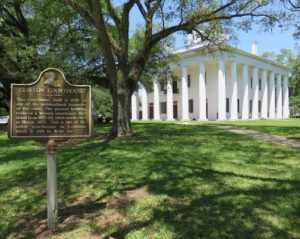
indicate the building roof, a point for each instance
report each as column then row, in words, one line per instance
column 201, row 49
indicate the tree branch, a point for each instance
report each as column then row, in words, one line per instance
column 124, row 33
column 19, row 22
column 21, row 19
column 113, row 13
column 188, row 25
column 105, row 40
column 155, row 7
column 225, row 6
column 85, row 14
column 297, row 7
column 141, row 8
column 162, row 14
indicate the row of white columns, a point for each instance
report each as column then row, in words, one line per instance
column 267, row 95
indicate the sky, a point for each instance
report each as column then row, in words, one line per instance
column 267, row 41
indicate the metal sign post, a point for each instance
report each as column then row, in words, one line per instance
column 50, row 108
column 51, row 185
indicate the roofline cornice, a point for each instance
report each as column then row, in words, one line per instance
column 210, row 49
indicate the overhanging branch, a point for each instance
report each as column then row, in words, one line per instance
column 81, row 10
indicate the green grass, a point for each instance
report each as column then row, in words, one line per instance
column 288, row 127
column 195, row 182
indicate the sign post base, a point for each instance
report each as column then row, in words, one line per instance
column 51, row 185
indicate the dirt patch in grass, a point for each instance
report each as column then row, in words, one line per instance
column 116, row 207
column 85, row 210
column 121, row 201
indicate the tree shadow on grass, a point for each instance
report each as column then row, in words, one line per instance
column 218, row 217
column 232, row 213
column 227, row 211
column 69, row 218
column 205, row 216
column 216, row 184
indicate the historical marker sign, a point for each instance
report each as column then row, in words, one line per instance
column 50, row 107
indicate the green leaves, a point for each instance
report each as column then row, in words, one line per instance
column 58, row 37
column 102, row 101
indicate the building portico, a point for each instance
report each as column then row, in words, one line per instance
column 218, row 85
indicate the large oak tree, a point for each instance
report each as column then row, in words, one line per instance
column 35, row 35
column 159, row 19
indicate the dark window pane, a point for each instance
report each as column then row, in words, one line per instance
column 175, row 89
column 191, row 107
column 162, row 86
column 163, row 107
column 227, row 105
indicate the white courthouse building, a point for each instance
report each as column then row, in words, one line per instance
column 217, row 84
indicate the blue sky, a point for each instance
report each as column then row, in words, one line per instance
column 267, row 41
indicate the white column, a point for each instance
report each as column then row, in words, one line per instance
column 144, row 104
column 286, row 105
column 264, row 95
column 170, row 114
column 202, row 92
column 255, row 94
column 245, row 97
column 184, row 95
column 156, row 107
column 233, row 98
column 272, row 97
column 134, row 106
column 221, row 91
column 279, row 97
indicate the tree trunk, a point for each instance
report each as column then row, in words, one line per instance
column 121, row 107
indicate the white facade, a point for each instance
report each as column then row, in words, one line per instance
column 218, row 85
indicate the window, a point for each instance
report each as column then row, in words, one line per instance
column 175, row 89
column 259, row 84
column 189, row 81
column 251, row 80
column 227, row 105
column 259, row 106
column 250, row 107
column 238, row 105
column 151, row 115
column 162, row 86
column 191, row 107
column 206, row 108
column 163, row 107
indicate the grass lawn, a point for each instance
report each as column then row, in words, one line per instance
column 287, row 127
column 170, row 181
